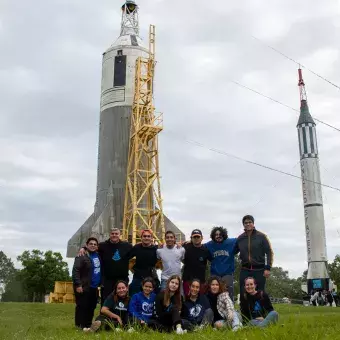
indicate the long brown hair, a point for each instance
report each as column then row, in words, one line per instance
column 177, row 295
column 221, row 284
column 115, row 296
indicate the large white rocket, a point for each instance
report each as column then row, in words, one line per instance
column 317, row 276
column 117, row 94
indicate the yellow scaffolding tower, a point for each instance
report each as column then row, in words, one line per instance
column 143, row 201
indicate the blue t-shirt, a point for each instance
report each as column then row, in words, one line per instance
column 96, row 275
column 222, row 257
column 142, row 307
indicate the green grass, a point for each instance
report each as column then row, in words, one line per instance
column 52, row 321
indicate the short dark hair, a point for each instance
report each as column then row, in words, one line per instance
column 248, row 217
column 91, row 239
column 223, row 231
column 149, row 279
column 170, row 232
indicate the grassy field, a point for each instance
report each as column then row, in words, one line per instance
column 45, row 321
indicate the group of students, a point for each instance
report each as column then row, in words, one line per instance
column 160, row 305
column 324, row 298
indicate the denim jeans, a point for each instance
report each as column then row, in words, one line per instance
column 271, row 318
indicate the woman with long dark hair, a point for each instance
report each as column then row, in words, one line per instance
column 168, row 307
column 196, row 308
column 256, row 306
column 114, row 313
column 141, row 306
column 222, row 306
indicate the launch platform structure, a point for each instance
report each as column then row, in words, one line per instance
column 143, row 201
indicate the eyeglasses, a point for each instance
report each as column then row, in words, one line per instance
column 248, row 222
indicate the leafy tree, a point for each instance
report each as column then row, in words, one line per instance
column 334, row 270
column 40, row 271
column 14, row 291
column 6, row 268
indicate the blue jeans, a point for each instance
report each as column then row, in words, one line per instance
column 271, row 318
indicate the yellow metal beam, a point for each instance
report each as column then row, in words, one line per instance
column 143, row 201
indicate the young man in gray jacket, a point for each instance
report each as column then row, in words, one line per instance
column 256, row 254
column 86, row 277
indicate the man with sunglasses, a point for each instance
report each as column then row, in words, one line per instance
column 256, row 254
column 86, row 277
column 195, row 261
column 146, row 260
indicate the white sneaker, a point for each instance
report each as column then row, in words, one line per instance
column 179, row 330
column 86, row 330
column 118, row 330
column 130, row 330
column 236, row 328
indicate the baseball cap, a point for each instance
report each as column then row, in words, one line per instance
column 196, row 232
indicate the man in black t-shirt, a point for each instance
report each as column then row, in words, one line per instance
column 145, row 264
column 195, row 261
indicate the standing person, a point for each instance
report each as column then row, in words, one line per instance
column 256, row 254
column 86, row 277
column 171, row 257
column 114, row 313
column 221, row 249
column 196, row 308
column 141, row 306
column 335, row 297
column 115, row 262
column 256, row 307
column 221, row 305
column 329, row 298
column 146, row 260
column 195, row 261
column 168, row 307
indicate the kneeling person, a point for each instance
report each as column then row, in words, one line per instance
column 141, row 306
column 114, row 313
column 196, row 308
column 256, row 306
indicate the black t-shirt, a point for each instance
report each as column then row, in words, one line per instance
column 195, row 262
column 146, row 259
column 119, row 307
column 115, row 259
column 254, row 306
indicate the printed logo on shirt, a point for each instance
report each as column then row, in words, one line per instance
column 121, row 306
column 96, row 265
column 221, row 253
column 257, row 307
column 147, row 308
column 201, row 259
column 195, row 311
column 116, row 256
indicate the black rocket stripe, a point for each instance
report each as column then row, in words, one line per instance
column 311, row 139
column 313, row 205
column 304, row 140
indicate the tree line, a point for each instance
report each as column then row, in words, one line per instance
column 39, row 271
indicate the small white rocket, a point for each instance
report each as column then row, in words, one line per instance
column 317, row 276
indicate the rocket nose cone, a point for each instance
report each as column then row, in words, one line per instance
column 130, row 6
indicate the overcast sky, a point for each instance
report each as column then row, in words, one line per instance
column 50, row 73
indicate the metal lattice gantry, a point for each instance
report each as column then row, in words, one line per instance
column 143, row 201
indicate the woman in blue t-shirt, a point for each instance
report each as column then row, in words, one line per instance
column 141, row 306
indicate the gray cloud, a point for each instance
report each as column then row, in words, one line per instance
column 50, row 81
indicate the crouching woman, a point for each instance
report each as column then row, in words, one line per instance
column 196, row 308
column 256, row 306
column 114, row 313
column 168, row 307
column 222, row 306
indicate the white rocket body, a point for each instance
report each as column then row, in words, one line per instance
column 317, row 276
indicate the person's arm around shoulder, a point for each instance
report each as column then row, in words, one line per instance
column 78, row 262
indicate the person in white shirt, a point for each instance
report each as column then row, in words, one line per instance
column 171, row 257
